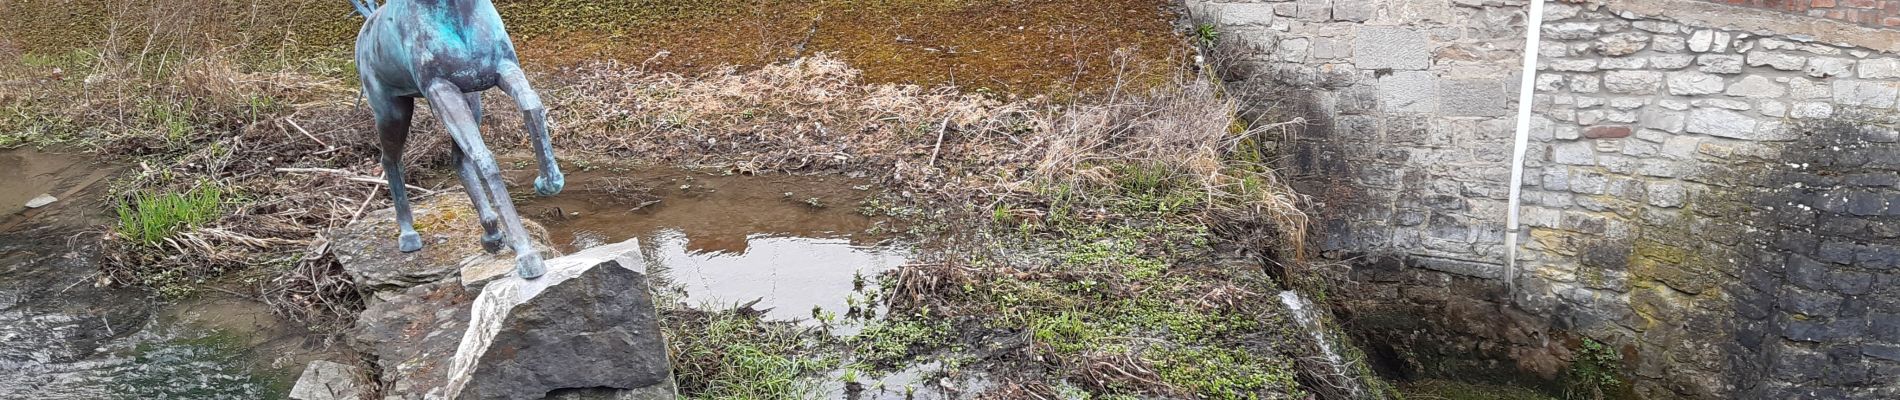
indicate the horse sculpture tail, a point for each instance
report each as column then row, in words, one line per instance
column 365, row 7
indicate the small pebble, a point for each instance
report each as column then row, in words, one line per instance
column 41, row 201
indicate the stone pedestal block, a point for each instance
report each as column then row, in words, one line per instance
column 588, row 328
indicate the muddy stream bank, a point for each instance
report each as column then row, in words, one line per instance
column 793, row 243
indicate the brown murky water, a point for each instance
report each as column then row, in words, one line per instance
column 791, row 242
column 26, row 174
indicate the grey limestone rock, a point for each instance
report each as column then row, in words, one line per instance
column 325, row 380
column 589, row 325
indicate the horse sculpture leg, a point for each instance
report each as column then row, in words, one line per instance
column 472, row 182
column 451, row 107
column 515, row 83
column 392, row 128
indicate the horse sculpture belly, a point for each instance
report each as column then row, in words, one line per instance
column 448, row 51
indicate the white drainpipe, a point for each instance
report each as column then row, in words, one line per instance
column 1525, row 89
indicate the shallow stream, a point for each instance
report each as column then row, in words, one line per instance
column 63, row 337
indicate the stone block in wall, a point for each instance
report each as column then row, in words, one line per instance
column 1409, row 92
column 1622, row 44
column 1666, row 194
column 1570, row 64
column 1723, row 123
column 1885, row 326
column 1315, row 10
column 1293, row 49
column 1624, row 63
column 1458, row 267
column 1756, row 86
column 1331, row 48
column 1708, row 40
column 1663, row 120
column 1668, row 44
column 1631, row 82
column 1772, row 108
column 1474, row 98
column 1671, row 61
column 1719, row 63
column 1777, row 60
column 1726, row 104
column 1572, row 30
column 1585, row 84
column 1824, row 67
column 1391, row 47
column 1358, row 99
column 1355, row 10
column 1573, row 153
column 1874, row 94
column 1692, row 83
column 1879, row 68
column 1805, row 89
column 1259, row 15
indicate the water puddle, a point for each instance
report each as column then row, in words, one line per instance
column 794, row 243
column 928, row 380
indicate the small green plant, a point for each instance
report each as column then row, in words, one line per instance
column 732, row 356
column 583, row 164
column 1064, row 332
column 1219, row 373
column 850, row 375
column 886, row 342
column 1595, row 373
column 173, row 120
column 1205, row 34
column 259, row 107
column 149, row 218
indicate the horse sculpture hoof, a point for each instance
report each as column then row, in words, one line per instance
column 530, row 265
column 409, row 242
column 549, row 185
column 491, row 242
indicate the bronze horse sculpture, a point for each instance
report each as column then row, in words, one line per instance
column 449, row 51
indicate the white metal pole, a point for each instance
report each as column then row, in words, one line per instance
column 1525, row 90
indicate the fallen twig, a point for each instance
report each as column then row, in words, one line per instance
column 352, row 176
column 945, row 126
column 306, row 133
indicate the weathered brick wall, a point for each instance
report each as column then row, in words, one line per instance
column 1406, row 103
column 1716, row 201
column 1864, row 12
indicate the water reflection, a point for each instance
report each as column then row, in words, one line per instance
column 791, row 242
column 789, row 275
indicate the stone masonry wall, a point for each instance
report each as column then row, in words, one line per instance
column 1405, row 103
column 1864, row 12
column 1711, row 189
column 1715, row 201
